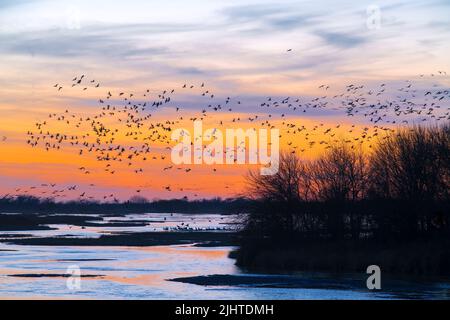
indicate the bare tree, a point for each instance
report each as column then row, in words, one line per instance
column 282, row 186
column 279, row 194
column 412, row 164
column 400, row 189
column 340, row 174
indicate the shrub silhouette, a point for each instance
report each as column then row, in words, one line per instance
column 397, row 193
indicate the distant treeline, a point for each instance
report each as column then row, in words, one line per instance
column 30, row 204
column 349, row 200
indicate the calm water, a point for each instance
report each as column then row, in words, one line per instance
column 142, row 272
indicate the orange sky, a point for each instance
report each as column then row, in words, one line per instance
column 243, row 51
column 24, row 166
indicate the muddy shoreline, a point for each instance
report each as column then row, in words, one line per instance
column 200, row 238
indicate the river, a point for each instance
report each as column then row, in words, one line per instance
column 110, row 272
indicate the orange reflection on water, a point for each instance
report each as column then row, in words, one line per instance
column 143, row 279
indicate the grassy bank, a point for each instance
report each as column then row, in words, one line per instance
column 427, row 257
column 350, row 208
column 136, row 239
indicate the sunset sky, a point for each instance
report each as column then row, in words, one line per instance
column 246, row 50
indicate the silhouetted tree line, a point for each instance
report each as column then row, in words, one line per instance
column 400, row 190
column 30, row 204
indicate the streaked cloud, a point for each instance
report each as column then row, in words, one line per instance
column 238, row 47
column 341, row 40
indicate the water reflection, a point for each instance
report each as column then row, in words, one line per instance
column 142, row 272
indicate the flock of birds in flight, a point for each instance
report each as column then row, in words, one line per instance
column 134, row 117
